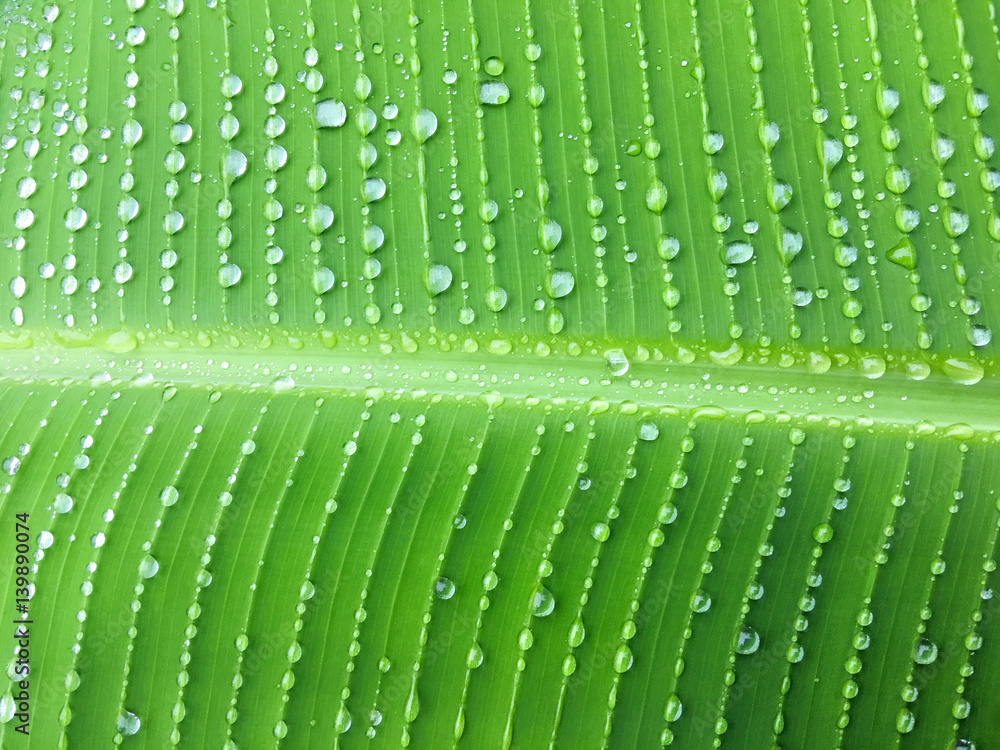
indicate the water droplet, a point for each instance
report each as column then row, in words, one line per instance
column 234, row 166
column 496, row 298
column 323, row 280
column 231, row 85
column 904, row 253
column 437, row 279
column 493, row 93
column 674, row 708
column 76, row 219
column 229, row 126
column 372, row 238
column 45, row 538
column 542, row 603
column 26, row 187
column 559, row 283
column 128, row 723
column 888, row 101
column 617, row 361
column 713, row 142
column 737, row 252
column 600, row 531
column 494, row 66
column 229, row 274
column 623, row 658
column 549, row 234
column 320, row 219
column 536, row 95
column 475, row 656
column 897, row 179
column 24, row 218
column 700, row 601
column 444, row 588
column 63, row 503
column 748, row 640
column 343, row 721
column 423, row 125
column 648, row 431
column 173, row 222
column 274, row 93
column 128, row 209
column 823, row 533
column 791, row 245
column 373, row 189
column 980, row 335
column 148, row 567
column 131, row 133
column 169, row 495
column 905, row 721
column 656, row 197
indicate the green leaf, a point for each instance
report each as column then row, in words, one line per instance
column 590, row 374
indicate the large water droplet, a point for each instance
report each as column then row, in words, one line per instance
column 373, row 189
column 148, row 566
column 549, row 234
column 559, row 283
column 700, row 601
column 617, row 361
column 903, row 253
column 737, row 252
column 542, row 603
column 234, row 166
column 128, row 723
column 444, row 588
column 423, row 125
column 76, row 219
column 493, row 92
column 229, row 274
column 437, row 278
column 320, row 219
column 323, row 280
column 656, row 197
column 131, row 133
column 748, row 640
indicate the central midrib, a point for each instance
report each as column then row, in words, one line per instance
column 788, row 393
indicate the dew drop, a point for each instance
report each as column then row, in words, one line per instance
column 128, row 723
column 423, row 125
column 437, row 279
column 559, row 283
column 229, row 274
column 542, row 603
column 493, row 93
column 748, row 640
